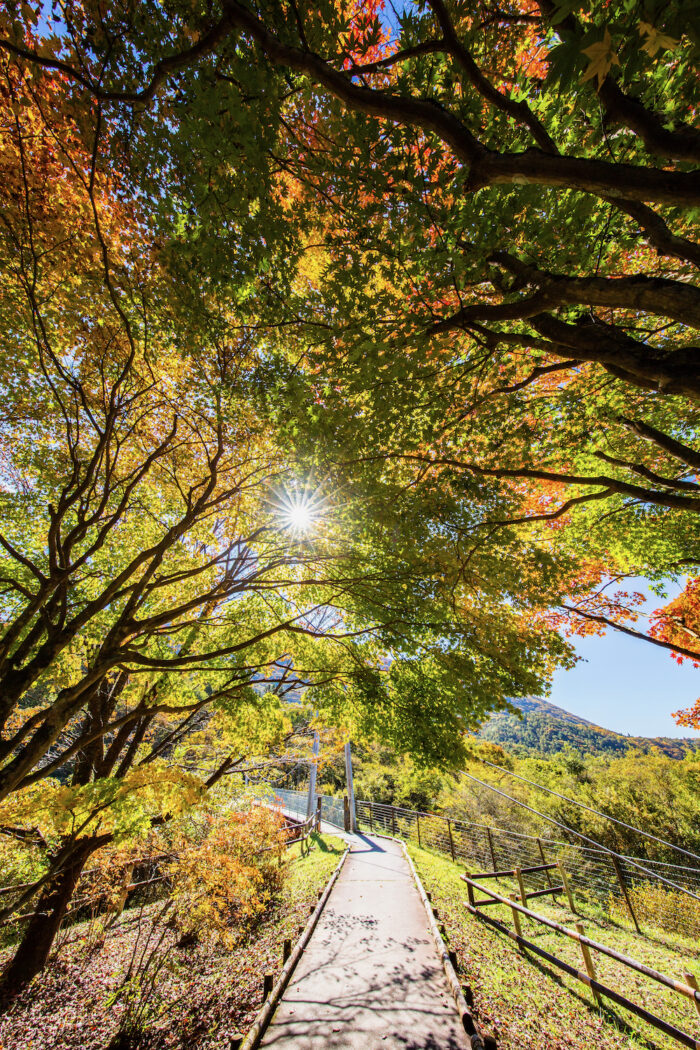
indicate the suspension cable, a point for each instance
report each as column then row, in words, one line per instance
column 579, row 834
column 606, row 816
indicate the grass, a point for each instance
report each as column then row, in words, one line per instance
column 203, row 994
column 526, row 1002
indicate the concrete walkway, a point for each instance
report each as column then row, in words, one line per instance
column 371, row 977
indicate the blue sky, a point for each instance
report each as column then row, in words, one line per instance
column 628, row 685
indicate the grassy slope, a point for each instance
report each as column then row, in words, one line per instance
column 203, row 994
column 528, row 1004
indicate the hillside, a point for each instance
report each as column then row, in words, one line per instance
column 546, row 729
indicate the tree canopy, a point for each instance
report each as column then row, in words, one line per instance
column 433, row 282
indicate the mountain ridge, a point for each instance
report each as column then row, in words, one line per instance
column 547, row 729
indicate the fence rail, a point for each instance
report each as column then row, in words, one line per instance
column 297, row 801
column 586, row 943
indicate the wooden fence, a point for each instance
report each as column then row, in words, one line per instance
column 587, row 976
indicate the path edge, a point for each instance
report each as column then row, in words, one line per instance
column 264, row 1015
column 476, row 1040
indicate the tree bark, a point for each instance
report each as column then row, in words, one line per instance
column 40, row 933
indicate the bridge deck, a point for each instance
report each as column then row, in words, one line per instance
column 370, row 978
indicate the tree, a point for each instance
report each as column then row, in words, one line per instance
column 150, row 573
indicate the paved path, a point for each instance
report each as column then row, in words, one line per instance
column 371, row 977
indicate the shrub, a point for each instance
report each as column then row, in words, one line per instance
column 225, row 882
column 654, row 904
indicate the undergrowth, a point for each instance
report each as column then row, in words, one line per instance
column 200, row 994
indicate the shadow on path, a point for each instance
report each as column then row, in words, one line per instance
column 371, row 977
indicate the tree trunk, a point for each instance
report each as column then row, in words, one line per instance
column 40, row 932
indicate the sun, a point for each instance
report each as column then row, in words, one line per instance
column 300, row 511
column 299, row 516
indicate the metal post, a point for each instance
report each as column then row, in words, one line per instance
column 350, row 787
column 623, row 887
column 393, row 819
column 449, row 832
column 493, row 852
column 418, row 826
column 311, row 800
column 544, row 861
column 370, row 806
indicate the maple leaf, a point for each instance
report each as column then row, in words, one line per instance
column 602, row 57
column 655, row 40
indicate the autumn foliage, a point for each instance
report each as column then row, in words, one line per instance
column 433, row 273
column 223, row 882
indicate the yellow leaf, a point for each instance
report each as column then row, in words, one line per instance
column 602, row 57
column 655, row 39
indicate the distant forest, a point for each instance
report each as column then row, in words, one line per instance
column 546, row 729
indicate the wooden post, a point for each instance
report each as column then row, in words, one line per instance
column 470, row 888
column 120, row 903
column 623, row 887
column 318, row 814
column 565, row 884
column 544, row 861
column 371, row 822
column 418, row 826
column 393, row 819
column 521, row 884
column 286, row 949
column 493, row 852
column 452, row 845
column 587, row 958
column 516, row 917
column 692, row 980
column 267, row 985
column 346, row 814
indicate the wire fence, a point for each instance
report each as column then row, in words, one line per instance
column 666, row 894
column 296, row 802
